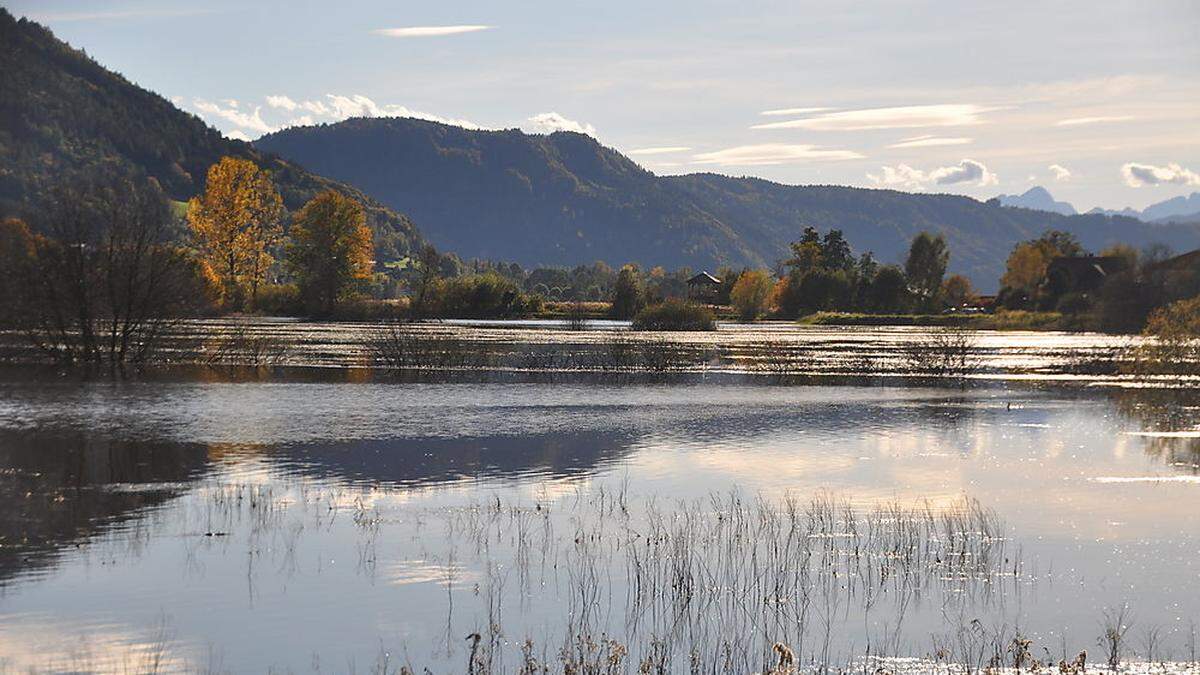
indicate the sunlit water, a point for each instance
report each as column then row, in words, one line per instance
column 340, row 522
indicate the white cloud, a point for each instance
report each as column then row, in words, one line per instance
column 337, row 107
column 772, row 153
column 282, row 102
column 905, row 176
column 429, row 31
column 1061, row 173
column 1137, row 175
column 238, row 135
column 793, row 111
column 243, row 120
column 658, row 150
column 1079, row 121
column 967, row 171
column 901, row 176
column 904, row 117
column 549, row 122
column 930, row 141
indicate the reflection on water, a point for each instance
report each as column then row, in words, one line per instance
column 287, row 522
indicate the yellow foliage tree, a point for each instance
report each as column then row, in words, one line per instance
column 750, row 294
column 1026, row 267
column 236, row 223
column 958, row 291
column 331, row 249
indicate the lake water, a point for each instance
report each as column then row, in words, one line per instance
column 336, row 520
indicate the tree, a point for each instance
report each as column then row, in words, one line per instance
column 429, row 270
column 835, row 251
column 236, row 224
column 18, row 254
column 330, row 249
column 105, row 283
column 1025, row 271
column 926, row 265
column 957, row 291
column 628, row 296
column 888, row 291
column 750, row 294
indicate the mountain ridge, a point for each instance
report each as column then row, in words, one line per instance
column 564, row 199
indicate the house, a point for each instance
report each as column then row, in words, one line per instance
column 1080, row 274
column 704, row 287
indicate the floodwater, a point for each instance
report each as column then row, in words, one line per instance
column 331, row 520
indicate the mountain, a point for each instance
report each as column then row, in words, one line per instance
column 564, row 199
column 61, row 112
column 1176, row 207
column 1038, row 199
column 1174, row 210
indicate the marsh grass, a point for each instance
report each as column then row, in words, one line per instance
column 943, row 352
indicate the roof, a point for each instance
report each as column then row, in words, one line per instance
column 703, row 278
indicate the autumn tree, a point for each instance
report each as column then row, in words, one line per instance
column 926, row 265
column 750, row 294
column 957, row 291
column 236, row 223
column 1025, row 270
column 628, row 295
column 330, row 250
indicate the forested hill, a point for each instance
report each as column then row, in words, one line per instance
column 61, row 113
column 565, row 199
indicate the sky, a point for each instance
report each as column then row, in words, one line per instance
column 1097, row 101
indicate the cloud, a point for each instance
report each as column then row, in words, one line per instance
column 930, row 141
column 238, row 135
column 429, row 31
column 967, row 171
column 1137, row 175
column 772, row 153
column 244, row 120
column 334, row 108
column 1061, row 173
column 905, row 176
column 793, row 111
column 902, row 176
column 658, row 150
column 1080, row 121
column 282, row 102
column 549, row 122
column 905, row 117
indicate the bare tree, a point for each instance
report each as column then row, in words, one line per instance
column 105, row 282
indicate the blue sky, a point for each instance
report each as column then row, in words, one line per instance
column 1097, row 101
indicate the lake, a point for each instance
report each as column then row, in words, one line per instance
column 333, row 518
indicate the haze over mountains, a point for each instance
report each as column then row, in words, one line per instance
column 1176, row 209
column 563, row 199
column 557, row 199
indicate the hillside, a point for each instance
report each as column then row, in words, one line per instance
column 61, row 112
column 565, row 199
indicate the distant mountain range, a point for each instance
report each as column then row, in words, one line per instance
column 1174, row 210
column 62, row 113
column 564, row 199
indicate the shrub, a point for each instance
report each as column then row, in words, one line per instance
column 675, row 315
column 481, row 296
column 279, row 300
column 1174, row 344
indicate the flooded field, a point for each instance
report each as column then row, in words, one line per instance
column 718, row 517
